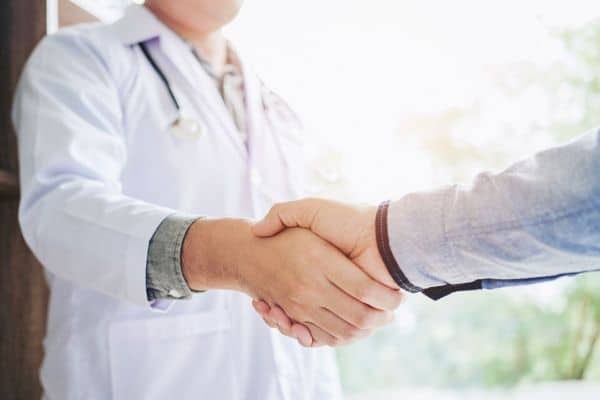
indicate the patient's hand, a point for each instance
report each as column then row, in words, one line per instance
column 351, row 229
column 307, row 276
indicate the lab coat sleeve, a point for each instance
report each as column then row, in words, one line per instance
column 72, row 150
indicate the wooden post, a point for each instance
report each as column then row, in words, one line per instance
column 23, row 292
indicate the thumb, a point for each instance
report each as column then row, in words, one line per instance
column 285, row 215
column 270, row 225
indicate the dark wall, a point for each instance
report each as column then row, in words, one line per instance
column 23, row 294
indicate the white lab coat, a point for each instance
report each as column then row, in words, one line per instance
column 100, row 170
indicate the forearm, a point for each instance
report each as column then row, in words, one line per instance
column 539, row 218
column 212, row 252
column 188, row 254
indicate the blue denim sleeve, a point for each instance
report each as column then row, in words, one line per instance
column 537, row 220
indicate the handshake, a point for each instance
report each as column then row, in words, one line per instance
column 312, row 266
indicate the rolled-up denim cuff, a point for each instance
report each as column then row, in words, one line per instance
column 164, row 278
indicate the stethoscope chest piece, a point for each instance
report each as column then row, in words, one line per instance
column 187, row 128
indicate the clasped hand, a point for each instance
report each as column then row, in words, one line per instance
column 312, row 267
column 365, row 293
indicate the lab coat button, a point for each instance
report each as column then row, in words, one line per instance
column 175, row 293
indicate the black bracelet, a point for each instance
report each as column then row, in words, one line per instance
column 383, row 244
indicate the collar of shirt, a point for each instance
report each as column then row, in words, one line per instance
column 232, row 65
column 230, row 85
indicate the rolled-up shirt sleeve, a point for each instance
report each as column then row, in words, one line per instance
column 537, row 220
column 164, row 278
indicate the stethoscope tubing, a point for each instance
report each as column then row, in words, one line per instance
column 160, row 74
column 163, row 78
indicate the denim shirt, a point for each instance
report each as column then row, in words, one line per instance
column 537, row 220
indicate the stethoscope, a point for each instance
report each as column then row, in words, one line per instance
column 183, row 127
column 187, row 127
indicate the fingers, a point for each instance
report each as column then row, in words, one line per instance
column 342, row 295
column 289, row 328
column 261, row 307
column 334, row 331
column 295, row 329
column 275, row 317
column 300, row 213
column 355, row 282
column 269, row 323
column 328, row 329
column 340, row 332
column 303, row 334
column 325, row 288
column 357, row 313
column 343, row 313
column 309, row 335
column 270, row 225
column 320, row 337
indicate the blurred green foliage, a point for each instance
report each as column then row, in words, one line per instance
column 503, row 337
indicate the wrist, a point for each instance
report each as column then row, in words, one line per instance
column 210, row 255
column 385, row 251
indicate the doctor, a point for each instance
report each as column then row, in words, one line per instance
column 129, row 134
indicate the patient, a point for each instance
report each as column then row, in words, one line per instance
column 536, row 221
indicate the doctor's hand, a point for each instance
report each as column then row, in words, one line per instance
column 296, row 270
column 349, row 228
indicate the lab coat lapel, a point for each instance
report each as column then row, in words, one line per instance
column 202, row 88
column 254, row 105
column 139, row 25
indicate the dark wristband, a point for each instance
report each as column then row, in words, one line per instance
column 383, row 244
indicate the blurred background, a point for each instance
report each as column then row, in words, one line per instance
column 404, row 95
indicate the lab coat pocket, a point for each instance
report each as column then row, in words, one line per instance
column 172, row 357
